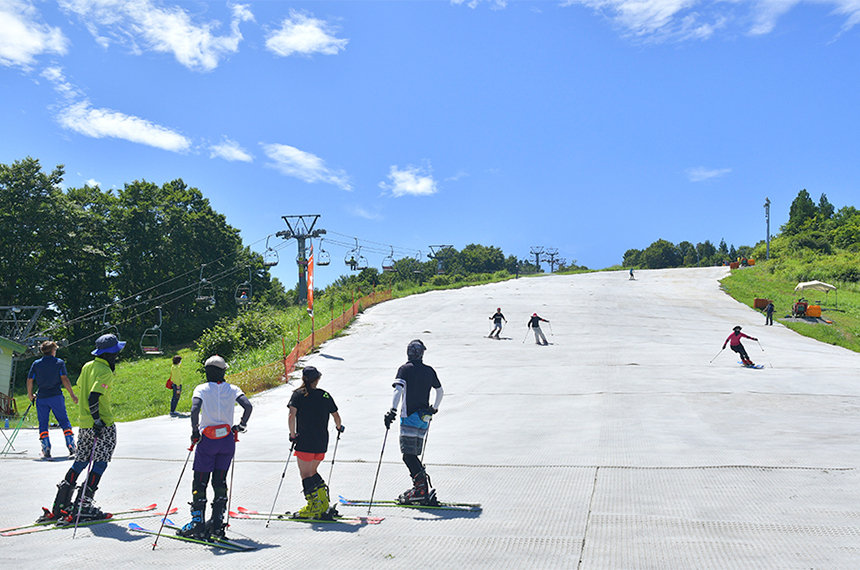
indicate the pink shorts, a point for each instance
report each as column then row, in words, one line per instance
column 307, row 456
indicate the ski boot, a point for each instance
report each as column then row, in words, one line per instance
column 88, row 509
column 62, row 503
column 46, row 448
column 70, row 443
column 216, row 527
column 197, row 527
column 318, row 504
column 420, row 493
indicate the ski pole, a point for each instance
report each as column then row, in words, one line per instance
column 84, row 487
column 550, row 329
column 278, row 492
column 716, row 355
column 762, row 349
column 426, row 437
column 375, row 479
column 525, row 337
column 170, row 504
column 8, row 447
column 232, row 471
column 333, row 455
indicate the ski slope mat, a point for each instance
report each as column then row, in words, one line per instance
column 616, row 446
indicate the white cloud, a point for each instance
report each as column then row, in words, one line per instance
column 230, row 150
column 137, row 23
column 366, row 214
column 100, row 123
column 303, row 165
column 411, row 181
column 700, row 173
column 93, row 183
column 23, row 38
column 498, row 4
column 55, row 75
column 301, row 34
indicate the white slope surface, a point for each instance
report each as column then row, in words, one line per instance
column 617, row 446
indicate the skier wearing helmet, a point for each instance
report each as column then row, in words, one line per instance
column 534, row 324
column 412, row 386
column 734, row 341
column 497, row 324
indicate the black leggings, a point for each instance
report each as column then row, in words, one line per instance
column 413, row 463
column 739, row 348
column 201, row 481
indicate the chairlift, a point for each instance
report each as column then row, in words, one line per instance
column 150, row 340
column 244, row 291
column 353, row 258
column 270, row 256
column 108, row 328
column 388, row 262
column 323, row 257
column 205, row 290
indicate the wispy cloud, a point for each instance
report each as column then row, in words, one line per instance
column 474, row 3
column 410, row 181
column 305, row 35
column 55, row 75
column 700, row 173
column 93, row 183
column 143, row 25
column 303, row 165
column 230, row 150
column 23, row 37
column 82, row 118
column 360, row 212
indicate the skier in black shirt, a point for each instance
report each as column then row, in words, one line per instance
column 412, row 386
column 497, row 323
column 310, row 408
column 534, row 324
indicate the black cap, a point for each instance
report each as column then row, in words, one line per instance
column 310, row 373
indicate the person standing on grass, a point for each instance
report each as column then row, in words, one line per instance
column 175, row 383
column 96, row 435
column 310, row 408
column 213, row 432
column 49, row 376
column 768, row 313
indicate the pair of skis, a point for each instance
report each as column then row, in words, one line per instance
column 441, row 506
column 223, row 543
column 137, row 513
column 243, row 513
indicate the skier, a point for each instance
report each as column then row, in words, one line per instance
column 768, row 313
column 310, row 409
column 96, row 435
column 49, row 375
column 497, row 323
column 631, row 275
column 534, row 324
column 412, row 385
column 175, row 383
column 213, row 431
column 734, row 341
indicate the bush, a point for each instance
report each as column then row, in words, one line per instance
column 251, row 329
column 440, row 281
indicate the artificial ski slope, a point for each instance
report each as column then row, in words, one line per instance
column 617, row 446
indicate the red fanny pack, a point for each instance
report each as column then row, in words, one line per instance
column 217, row 432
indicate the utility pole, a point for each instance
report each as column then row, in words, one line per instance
column 439, row 253
column 301, row 227
column 537, row 251
column 767, row 220
column 552, row 253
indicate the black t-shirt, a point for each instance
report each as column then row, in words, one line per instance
column 417, row 379
column 497, row 318
column 535, row 322
column 312, row 413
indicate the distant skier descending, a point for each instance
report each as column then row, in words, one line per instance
column 497, row 323
column 734, row 342
column 534, row 324
column 412, row 386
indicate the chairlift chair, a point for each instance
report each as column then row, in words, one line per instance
column 323, row 257
column 244, row 291
column 270, row 256
column 388, row 262
column 353, row 258
column 150, row 340
column 205, row 290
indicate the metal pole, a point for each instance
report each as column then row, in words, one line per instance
column 292, row 447
column 375, row 479
column 170, row 504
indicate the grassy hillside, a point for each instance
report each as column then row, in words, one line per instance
column 767, row 281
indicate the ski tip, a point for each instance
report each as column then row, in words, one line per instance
column 148, row 507
column 134, row 526
column 246, row 511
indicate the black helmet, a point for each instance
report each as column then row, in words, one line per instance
column 415, row 350
column 737, row 328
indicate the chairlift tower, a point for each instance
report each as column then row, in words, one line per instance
column 17, row 323
column 767, row 221
column 301, row 227
column 439, row 253
column 552, row 253
column 537, row 251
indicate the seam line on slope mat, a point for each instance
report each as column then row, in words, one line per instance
column 588, row 518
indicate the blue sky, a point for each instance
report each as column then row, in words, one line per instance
column 590, row 126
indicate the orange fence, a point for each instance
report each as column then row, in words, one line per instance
column 264, row 376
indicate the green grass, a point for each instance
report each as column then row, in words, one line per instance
column 764, row 281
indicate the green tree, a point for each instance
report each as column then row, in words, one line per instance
column 661, row 254
column 632, row 258
column 825, row 208
column 802, row 211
